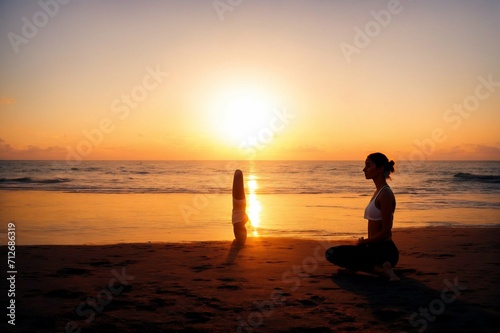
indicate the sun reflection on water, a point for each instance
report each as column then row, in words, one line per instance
column 254, row 207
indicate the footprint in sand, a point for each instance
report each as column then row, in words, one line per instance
column 126, row 262
column 102, row 263
column 64, row 293
column 71, row 271
column 199, row 317
column 426, row 273
column 229, row 287
column 201, row 268
column 201, row 280
column 33, row 292
column 212, row 302
column 444, row 256
column 389, row 314
column 313, row 301
column 160, row 302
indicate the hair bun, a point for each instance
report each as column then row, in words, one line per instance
column 391, row 166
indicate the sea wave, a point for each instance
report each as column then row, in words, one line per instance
column 29, row 180
column 465, row 176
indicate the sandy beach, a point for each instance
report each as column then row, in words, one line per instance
column 449, row 283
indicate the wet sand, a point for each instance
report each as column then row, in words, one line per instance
column 449, row 282
column 44, row 217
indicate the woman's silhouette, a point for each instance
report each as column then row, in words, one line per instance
column 239, row 216
column 376, row 254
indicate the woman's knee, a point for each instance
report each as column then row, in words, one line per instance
column 394, row 259
column 394, row 255
column 330, row 254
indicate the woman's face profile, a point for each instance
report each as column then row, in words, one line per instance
column 370, row 169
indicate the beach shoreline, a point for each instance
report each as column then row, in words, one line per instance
column 271, row 284
column 45, row 217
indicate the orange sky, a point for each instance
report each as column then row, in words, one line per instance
column 260, row 79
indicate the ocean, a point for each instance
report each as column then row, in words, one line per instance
column 136, row 201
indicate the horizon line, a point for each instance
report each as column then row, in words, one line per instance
column 243, row 160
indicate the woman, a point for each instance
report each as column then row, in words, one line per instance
column 376, row 254
column 239, row 215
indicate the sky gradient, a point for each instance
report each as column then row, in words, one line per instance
column 248, row 79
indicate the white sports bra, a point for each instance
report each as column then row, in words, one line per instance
column 239, row 214
column 372, row 213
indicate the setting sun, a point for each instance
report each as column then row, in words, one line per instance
column 188, row 82
column 241, row 111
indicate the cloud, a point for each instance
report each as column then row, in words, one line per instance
column 489, row 150
column 470, row 151
column 7, row 100
column 30, row 152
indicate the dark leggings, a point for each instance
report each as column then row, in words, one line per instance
column 363, row 257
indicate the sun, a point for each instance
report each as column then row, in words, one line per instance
column 241, row 112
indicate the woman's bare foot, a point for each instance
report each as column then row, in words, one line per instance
column 387, row 271
column 345, row 271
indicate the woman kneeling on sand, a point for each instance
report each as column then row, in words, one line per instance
column 376, row 254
